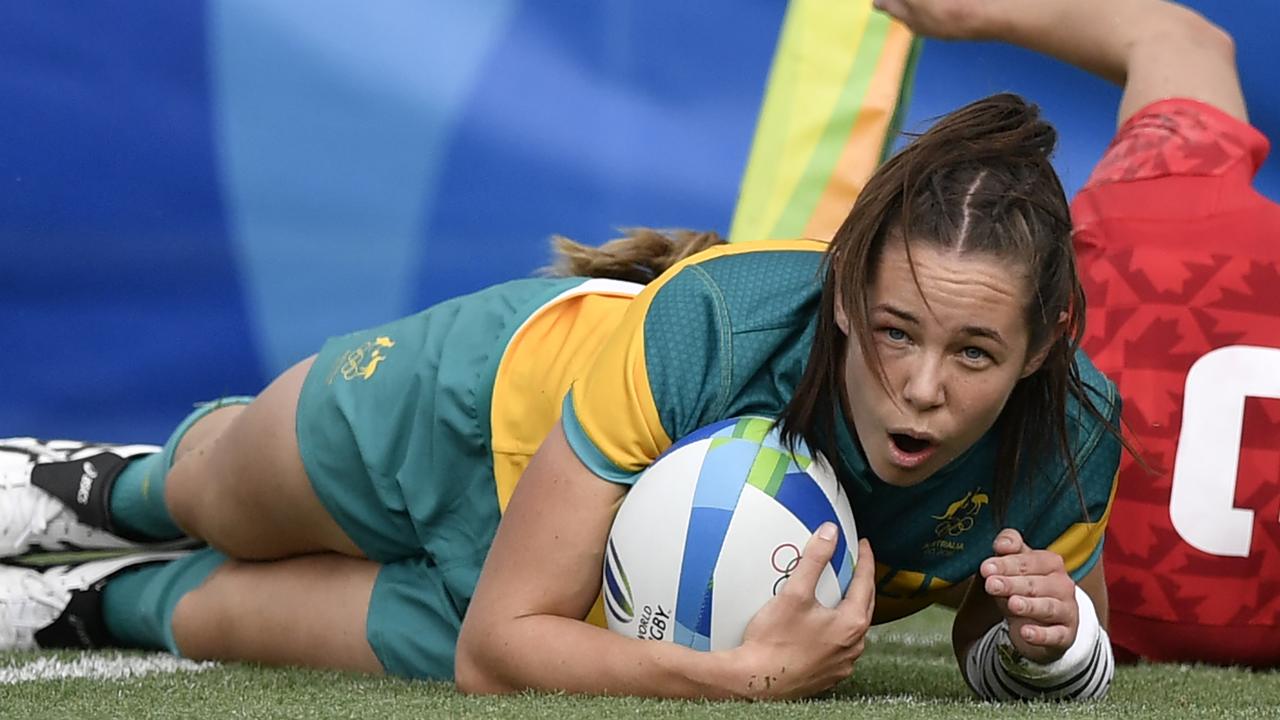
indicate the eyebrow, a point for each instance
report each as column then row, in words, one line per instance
column 972, row 330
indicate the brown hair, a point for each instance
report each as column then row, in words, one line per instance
column 642, row 255
column 978, row 181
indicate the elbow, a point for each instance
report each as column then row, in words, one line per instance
column 1199, row 32
column 472, row 675
column 1214, row 39
column 1220, row 42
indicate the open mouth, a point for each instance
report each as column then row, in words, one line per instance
column 909, row 445
column 909, row 452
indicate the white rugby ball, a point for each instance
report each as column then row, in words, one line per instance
column 712, row 530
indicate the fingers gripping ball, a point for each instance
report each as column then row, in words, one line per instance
column 713, row 530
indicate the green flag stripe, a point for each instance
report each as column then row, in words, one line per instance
column 822, row 162
column 904, row 99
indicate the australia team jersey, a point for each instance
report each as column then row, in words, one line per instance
column 1181, row 266
column 728, row 333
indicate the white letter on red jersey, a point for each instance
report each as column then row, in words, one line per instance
column 1204, row 470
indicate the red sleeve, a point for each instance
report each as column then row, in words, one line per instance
column 1174, row 162
column 1181, row 137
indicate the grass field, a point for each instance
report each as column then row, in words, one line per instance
column 908, row 672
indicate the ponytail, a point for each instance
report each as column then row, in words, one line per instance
column 639, row 257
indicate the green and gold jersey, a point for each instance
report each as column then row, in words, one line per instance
column 728, row 332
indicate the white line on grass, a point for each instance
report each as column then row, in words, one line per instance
column 900, row 699
column 911, row 639
column 106, row 666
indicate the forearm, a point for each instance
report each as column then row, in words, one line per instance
column 546, row 652
column 543, row 571
column 1156, row 49
column 975, row 615
column 1097, row 35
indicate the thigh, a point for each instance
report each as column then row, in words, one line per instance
column 309, row 611
column 242, row 486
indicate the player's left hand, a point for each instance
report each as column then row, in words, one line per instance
column 1035, row 594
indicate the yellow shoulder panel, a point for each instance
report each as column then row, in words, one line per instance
column 613, row 401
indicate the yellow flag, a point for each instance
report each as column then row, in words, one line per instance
column 831, row 109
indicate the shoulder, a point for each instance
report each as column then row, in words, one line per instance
column 1093, row 418
column 745, row 285
column 1098, row 388
column 682, row 354
column 749, row 266
column 1180, row 137
column 1093, row 421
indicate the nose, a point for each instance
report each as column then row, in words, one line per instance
column 925, row 388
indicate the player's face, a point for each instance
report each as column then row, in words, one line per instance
column 953, row 342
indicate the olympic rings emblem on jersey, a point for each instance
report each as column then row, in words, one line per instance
column 785, row 559
column 960, row 515
column 363, row 361
column 952, row 528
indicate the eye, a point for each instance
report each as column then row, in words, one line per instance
column 975, row 355
column 895, row 334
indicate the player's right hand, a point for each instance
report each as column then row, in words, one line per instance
column 946, row 19
column 796, row 646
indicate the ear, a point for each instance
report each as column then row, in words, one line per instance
column 842, row 318
column 1037, row 359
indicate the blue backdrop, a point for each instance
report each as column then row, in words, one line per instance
column 1082, row 106
column 198, row 193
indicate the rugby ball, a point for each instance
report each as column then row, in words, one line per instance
column 713, row 529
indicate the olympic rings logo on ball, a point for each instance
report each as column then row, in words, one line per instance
column 785, row 558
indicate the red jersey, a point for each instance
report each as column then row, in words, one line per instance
column 1180, row 260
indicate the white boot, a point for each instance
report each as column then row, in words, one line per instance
column 61, row 606
column 54, row 496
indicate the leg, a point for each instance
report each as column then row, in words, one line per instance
column 307, row 611
column 206, row 429
column 240, row 485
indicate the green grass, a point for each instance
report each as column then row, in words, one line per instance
column 908, row 672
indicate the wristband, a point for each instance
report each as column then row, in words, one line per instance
column 996, row 671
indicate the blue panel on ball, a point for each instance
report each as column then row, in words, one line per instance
column 844, row 575
column 690, row 639
column 707, row 529
column 723, row 475
column 800, row 495
column 721, row 479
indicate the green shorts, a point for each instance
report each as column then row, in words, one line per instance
column 393, row 426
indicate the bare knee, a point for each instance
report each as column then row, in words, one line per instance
column 184, row 489
column 202, row 626
column 207, row 429
column 196, row 470
column 193, row 467
column 200, row 498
